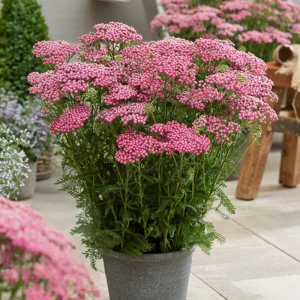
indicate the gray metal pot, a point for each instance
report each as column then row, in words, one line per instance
column 28, row 189
column 163, row 276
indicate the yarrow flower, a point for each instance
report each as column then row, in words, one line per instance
column 153, row 74
column 244, row 84
column 71, row 119
column 218, row 50
column 235, row 20
column 133, row 112
column 218, row 126
column 197, row 98
column 42, row 267
column 113, row 32
column 171, row 137
column 54, row 52
column 69, row 78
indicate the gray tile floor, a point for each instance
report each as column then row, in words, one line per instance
column 260, row 259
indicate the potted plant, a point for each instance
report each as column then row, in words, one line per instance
column 14, row 166
column 147, row 134
column 29, row 118
column 257, row 26
column 37, row 262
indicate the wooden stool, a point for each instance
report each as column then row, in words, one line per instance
column 255, row 159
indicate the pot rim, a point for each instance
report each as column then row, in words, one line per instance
column 151, row 256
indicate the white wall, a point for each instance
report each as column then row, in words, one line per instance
column 68, row 19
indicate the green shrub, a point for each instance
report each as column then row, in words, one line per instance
column 21, row 26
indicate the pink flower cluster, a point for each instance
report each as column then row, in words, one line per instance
column 235, row 5
column 119, row 92
column 133, row 112
column 295, row 28
column 70, row 78
column 197, row 98
column 38, row 260
column 228, row 29
column 114, row 32
column 222, row 129
column 270, row 35
column 181, row 17
column 71, row 119
column 243, row 83
column 235, row 20
column 253, row 109
column 171, row 137
column 54, row 52
column 219, row 50
column 139, row 90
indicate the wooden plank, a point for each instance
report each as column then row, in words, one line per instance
column 290, row 161
column 255, row 159
column 253, row 167
column 290, row 98
column 279, row 80
column 287, row 125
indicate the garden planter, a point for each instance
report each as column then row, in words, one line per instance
column 163, row 276
column 28, row 189
column 44, row 165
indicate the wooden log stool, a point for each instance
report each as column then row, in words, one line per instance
column 254, row 161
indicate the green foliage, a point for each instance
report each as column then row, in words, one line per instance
column 156, row 205
column 159, row 203
column 21, row 26
column 214, row 3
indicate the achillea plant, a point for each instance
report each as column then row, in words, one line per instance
column 257, row 26
column 13, row 161
column 148, row 132
column 36, row 262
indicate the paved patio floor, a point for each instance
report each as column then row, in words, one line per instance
column 260, row 259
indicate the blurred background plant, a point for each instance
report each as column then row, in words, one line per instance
column 39, row 268
column 27, row 117
column 13, row 161
column 256, row 26
column 21, row 26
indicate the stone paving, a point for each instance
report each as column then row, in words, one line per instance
column 260, row 259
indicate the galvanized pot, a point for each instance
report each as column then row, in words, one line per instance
column 163, row 276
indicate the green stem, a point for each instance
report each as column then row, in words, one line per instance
column 141, row 196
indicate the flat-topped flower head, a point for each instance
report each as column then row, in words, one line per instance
column 222, row 129
column 244, row 84
column 133, row 112
column 114, row 32
column 171, row 137
column 54, row 52
column 220, row 50
column 42, row 267
column 197, row 98
column 71, row 119
column 70, row 78
column 235, row 20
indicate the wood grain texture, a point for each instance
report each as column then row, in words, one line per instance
column 290, row 161
column 255, row 159
column 253, row 167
